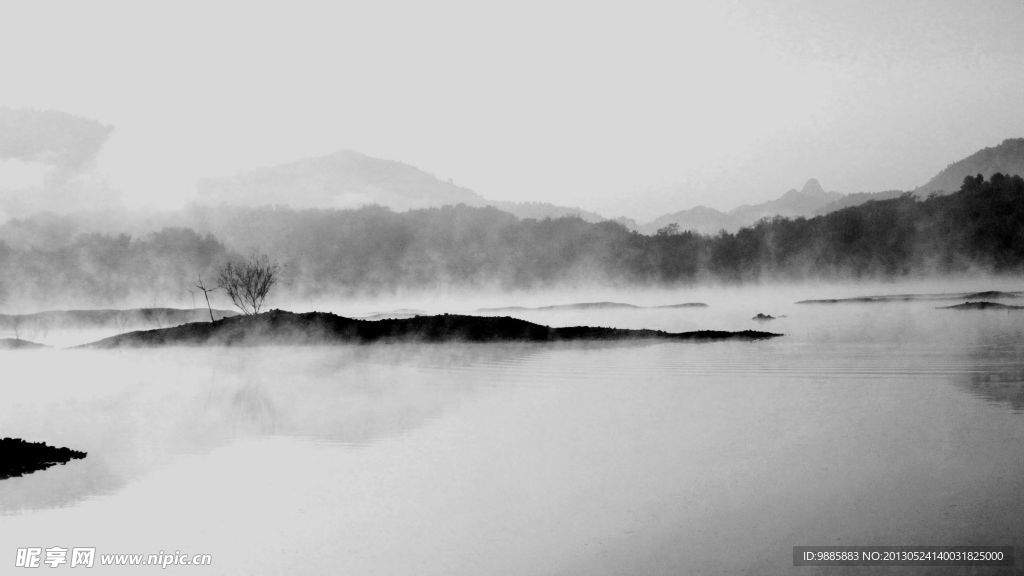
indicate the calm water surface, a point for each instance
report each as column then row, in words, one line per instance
column 885, row 424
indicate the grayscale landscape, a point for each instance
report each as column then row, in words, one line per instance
column 646, row 288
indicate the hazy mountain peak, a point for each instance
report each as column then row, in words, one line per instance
column 342, row 179
column 812, row 191
column 350, row 179
column 1006, row 158
column 793, row 203
column 812, row 187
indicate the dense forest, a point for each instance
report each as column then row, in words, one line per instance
column 981, row 227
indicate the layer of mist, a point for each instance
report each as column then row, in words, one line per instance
column 67, row 261
column 901, row 404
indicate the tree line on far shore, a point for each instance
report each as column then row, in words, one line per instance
column 980, row 228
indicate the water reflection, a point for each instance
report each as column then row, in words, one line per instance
column 882, row 423
column 997, row 375
column 59, row 486
column 137, row 410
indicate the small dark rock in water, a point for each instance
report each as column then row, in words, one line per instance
column 981, row 306
column 761, row 316
column 18, row 457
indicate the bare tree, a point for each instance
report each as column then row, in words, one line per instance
column 247, row 283
column 206, row 292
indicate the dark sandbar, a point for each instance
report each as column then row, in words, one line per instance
column 281, row 327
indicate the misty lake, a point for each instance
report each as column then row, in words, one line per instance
column 884, row 423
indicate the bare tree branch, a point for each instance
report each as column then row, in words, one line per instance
column 206, row 292
column 248, row 283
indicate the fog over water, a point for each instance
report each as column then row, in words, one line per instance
column 460, row 170
column 867, row 423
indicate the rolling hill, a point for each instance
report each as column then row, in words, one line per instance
column 348, row 179
column 1006, row 158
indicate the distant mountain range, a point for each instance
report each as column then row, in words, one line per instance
column 793, row 203
column 349, row 179
column 812, row 200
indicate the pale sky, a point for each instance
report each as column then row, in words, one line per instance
column 629, row 108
